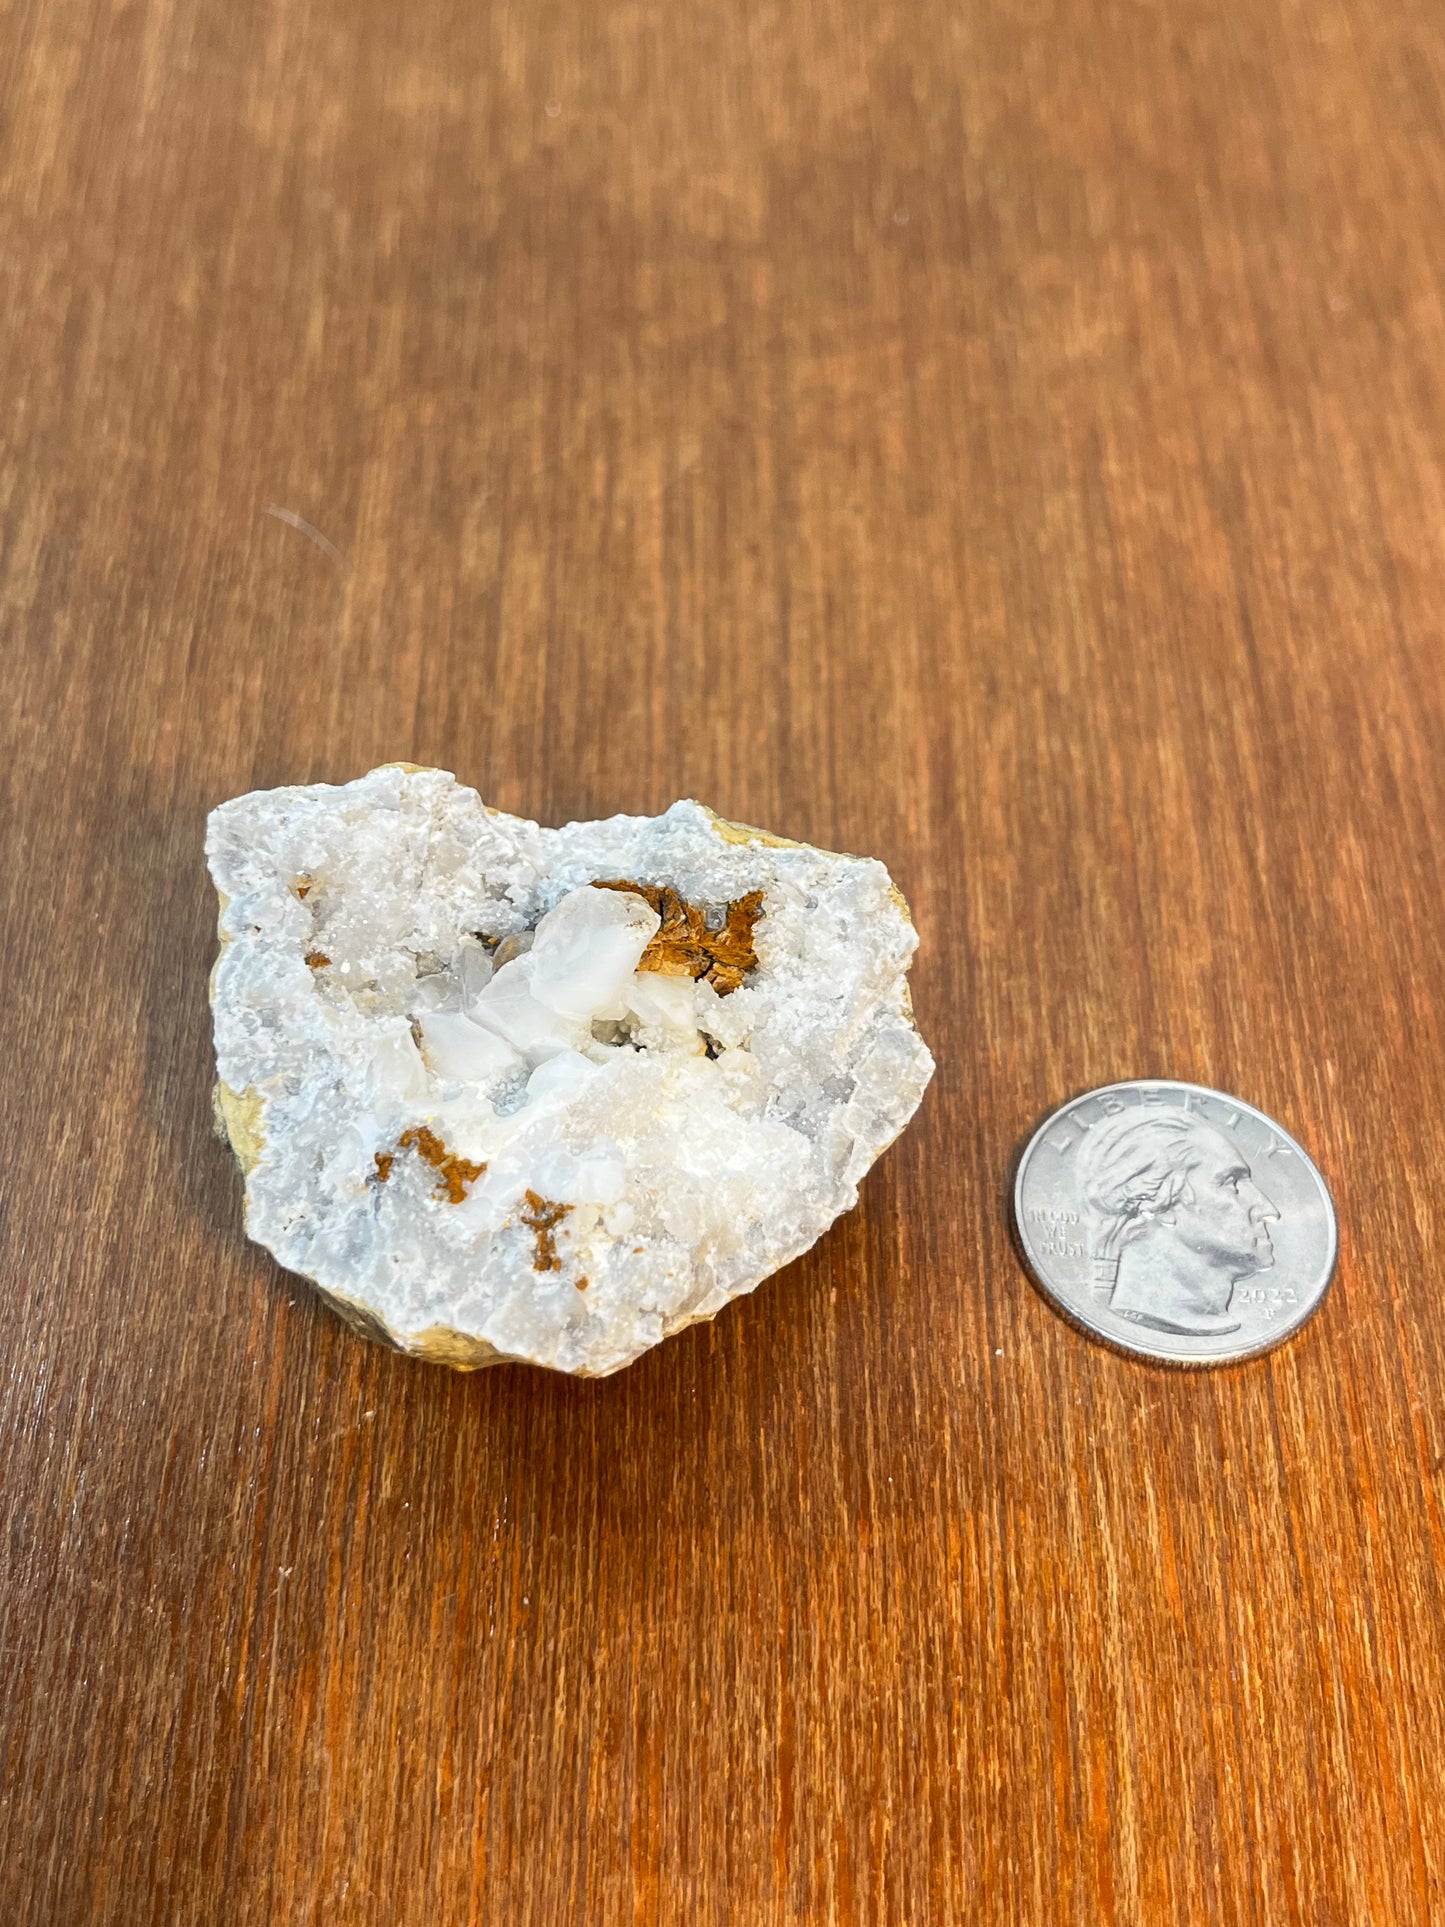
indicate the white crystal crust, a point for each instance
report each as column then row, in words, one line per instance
column 395, row 956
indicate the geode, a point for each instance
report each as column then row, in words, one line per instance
column 506, row 1092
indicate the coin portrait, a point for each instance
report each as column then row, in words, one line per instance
column 1175, row 1221
column 1178, row 1219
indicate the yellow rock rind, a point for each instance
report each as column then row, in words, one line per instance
column 240, row 1116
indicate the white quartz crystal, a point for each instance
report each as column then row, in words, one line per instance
column 486, row 1133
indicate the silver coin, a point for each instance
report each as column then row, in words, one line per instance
column 1175, row 1222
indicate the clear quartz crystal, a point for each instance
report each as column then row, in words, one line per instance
column 586, row 952
column 457, row 1048
column 473, row 1112
column 472, row 969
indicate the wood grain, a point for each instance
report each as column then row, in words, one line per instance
column 1007, row 438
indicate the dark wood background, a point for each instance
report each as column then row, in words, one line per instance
column 1004, row 436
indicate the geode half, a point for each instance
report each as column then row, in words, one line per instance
column 506, row 1092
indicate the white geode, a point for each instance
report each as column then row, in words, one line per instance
column 465, row 1112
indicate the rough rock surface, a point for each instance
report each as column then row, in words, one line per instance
column 497, row 1113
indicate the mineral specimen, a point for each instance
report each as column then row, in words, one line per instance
column 506, row 1092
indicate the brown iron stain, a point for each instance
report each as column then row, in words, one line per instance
column 543, row 1217
column 454, row 1173
column 685, row 947
column 302, row 887
column 317, row 959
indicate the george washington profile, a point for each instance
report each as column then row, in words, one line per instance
column 1178, row 1219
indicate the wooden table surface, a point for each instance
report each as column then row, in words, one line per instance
column 1006, row 437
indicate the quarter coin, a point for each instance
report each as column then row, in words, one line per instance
column 1175, row 1222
